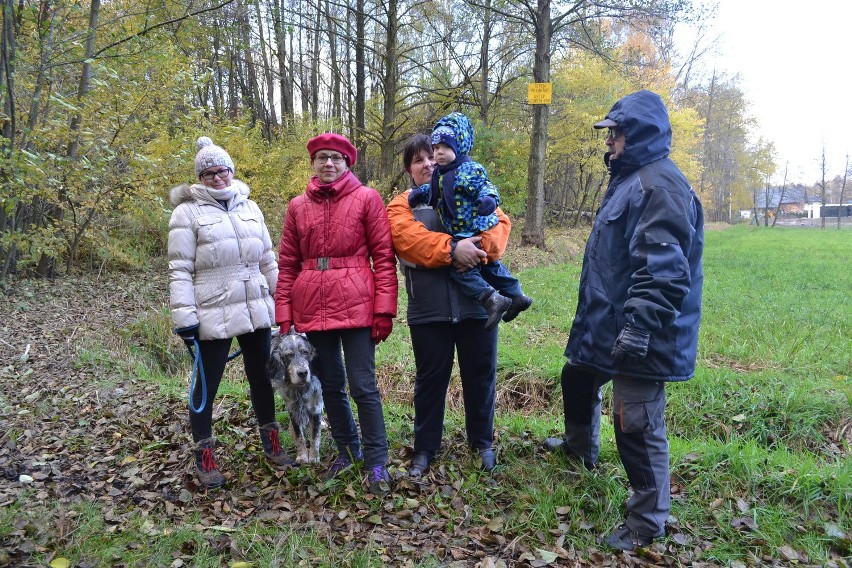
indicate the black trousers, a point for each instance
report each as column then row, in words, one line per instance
column 435, row 346
column 214, row 356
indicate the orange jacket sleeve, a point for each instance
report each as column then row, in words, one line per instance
column 418, row 245
column 495, row 239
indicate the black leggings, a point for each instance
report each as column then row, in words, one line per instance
column 214, row 355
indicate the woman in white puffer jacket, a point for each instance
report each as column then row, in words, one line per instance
column 222, row 277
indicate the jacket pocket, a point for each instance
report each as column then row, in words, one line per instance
column 207, row 220
column 665, row 257
column 609, row 249
column 208, row 228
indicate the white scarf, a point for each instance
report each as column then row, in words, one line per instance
column 225, row 194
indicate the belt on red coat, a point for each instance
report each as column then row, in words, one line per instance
column 329, row 262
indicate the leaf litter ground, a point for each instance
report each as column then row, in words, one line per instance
column 76, row 430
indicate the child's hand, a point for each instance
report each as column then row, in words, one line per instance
column 417, row 197
column 485, row 206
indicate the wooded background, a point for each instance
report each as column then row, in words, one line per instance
column 102, row 104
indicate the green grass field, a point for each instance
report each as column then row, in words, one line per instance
column 760, row 445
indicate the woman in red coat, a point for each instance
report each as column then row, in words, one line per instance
column 337, row 284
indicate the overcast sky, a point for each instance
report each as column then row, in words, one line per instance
column 795, row 61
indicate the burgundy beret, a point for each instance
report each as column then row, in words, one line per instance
column 336, row 142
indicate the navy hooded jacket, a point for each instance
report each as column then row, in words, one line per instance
column 642, row 263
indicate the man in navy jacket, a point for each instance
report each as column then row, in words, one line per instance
column 638, row 311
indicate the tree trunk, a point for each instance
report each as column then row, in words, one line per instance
column 822, row 190
column 270, row 116
column 315, row 58
column 484, row 65
column 780, row 198
column 335, row 67
column 285, row 78
column 360, row 141
column 390, row 80
column 533, row 234
column 842, row 190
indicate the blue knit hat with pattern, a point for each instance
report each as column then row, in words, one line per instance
column 455, row 131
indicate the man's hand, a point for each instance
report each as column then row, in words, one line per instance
column 467, row 255
column 630, row 346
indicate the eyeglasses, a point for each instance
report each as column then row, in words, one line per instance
column 337, row 159
column 614, row 133
column 210, row 176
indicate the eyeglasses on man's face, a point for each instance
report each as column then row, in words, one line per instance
column 337, row 159
column 614, row 133
column 210, row 176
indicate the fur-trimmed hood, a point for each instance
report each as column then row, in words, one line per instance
column 198, row 191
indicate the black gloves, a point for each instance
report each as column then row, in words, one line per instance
column 485, row 206
column 630, row 346
column 188, row 334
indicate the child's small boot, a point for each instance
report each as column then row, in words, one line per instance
column 206, row 469
column 272, row 446
column 519, row 304
column 495, row 306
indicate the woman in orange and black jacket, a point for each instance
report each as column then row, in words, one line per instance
column 442, row 321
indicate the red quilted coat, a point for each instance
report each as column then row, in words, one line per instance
column 336, row 264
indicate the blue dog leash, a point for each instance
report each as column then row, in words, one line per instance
column 198, row 370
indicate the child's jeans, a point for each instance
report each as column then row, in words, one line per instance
column 474, row 283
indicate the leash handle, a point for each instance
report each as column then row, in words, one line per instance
column 197, row 370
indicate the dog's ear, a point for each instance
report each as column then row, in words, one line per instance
column 312, row 351
column 274, row 366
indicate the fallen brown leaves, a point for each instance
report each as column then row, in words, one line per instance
column 78, row 428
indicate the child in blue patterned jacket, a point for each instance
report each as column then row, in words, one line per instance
column 467, row 200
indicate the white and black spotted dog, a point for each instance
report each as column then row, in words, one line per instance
column 289, row 371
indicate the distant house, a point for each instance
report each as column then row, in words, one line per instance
column 795, row 201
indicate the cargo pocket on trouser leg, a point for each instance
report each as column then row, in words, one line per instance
column 640, row 434
column 638, row 405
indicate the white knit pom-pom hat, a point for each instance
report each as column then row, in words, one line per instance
column 209, row 155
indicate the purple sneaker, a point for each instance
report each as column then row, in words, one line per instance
column 379, row 480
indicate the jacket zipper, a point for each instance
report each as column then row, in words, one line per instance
column 242, row 262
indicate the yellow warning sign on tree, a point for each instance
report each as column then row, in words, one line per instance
column 539, row 93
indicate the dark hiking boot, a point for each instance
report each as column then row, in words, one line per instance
column 379, row 480
column 419, row 464
column 495, row 306
column 622, row 538
column 489, row 460
column 519, row 304
column 272, row 446
column 206, row 469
